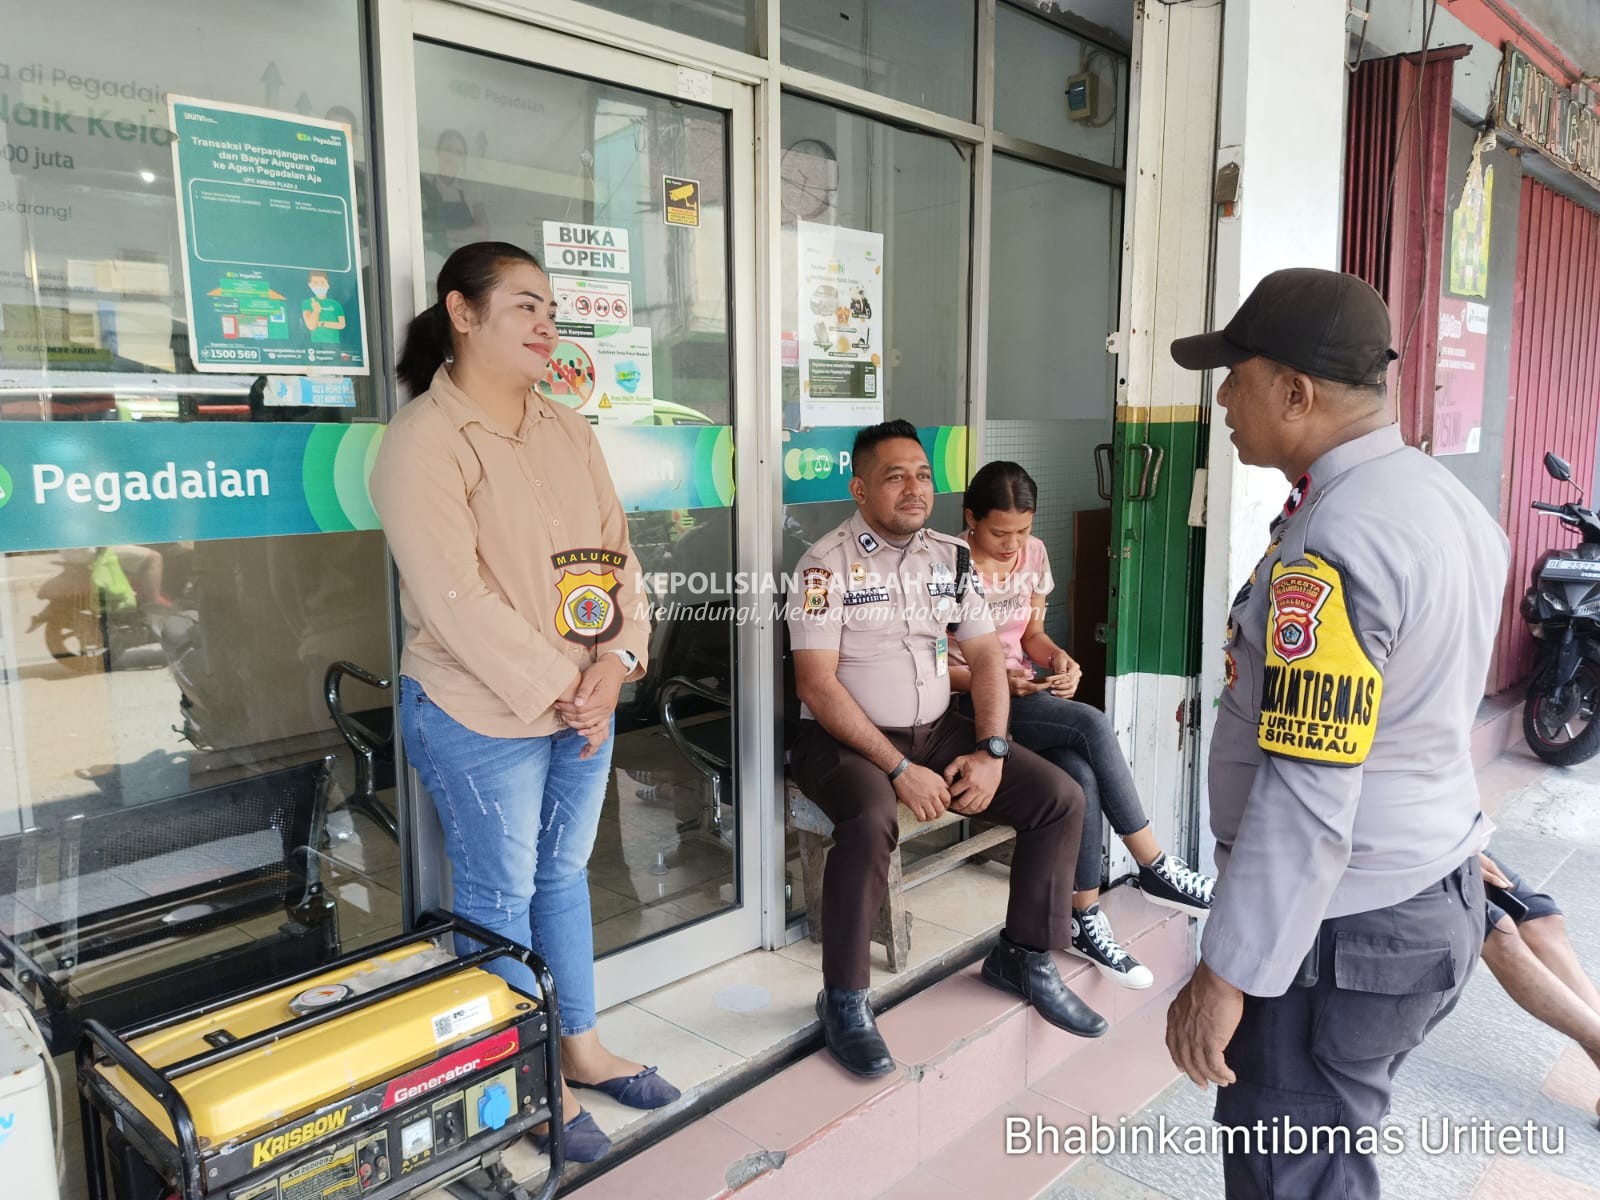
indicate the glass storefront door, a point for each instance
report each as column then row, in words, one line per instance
column 632, row 180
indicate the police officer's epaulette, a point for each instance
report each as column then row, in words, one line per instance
column 829, row 540
column 949, row 539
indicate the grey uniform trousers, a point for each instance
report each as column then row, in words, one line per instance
column 1323, row 1058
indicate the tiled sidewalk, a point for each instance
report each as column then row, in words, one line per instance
column 1488, row 1061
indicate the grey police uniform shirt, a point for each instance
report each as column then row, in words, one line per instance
column 890, row 612
column 1340, row 773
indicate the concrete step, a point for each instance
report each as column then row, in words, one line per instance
column 970, row 1057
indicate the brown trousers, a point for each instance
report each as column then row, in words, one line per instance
column 1039, row 801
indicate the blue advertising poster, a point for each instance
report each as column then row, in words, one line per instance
column 272, row 261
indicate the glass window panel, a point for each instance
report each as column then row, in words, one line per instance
column 725, row 22
column 138, row 678
column 124, row 714
column 666, row 851
column 1052, row 384
column 1058, row 90
column 596, row 156
column 853, row 172
column 93, row 323
column 917, row 51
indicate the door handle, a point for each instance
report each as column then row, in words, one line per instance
column 1150, row 475
column 1102, row 470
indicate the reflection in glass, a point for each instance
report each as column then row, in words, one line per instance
column 511, row 148
column 725, row 22
column 164, row 735
column 1051, row 381
column 93, row 320
column 1059, row 90
column 856, row 173
column 167, row 826
column 920, row 53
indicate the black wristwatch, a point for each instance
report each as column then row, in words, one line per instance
column 997, row 747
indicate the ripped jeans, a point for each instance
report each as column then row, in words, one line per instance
column 519, row 818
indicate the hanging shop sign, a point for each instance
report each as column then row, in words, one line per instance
column 1463, row 358
column 266, row 205
column 1469, row 231
column 816, row 463
column 841, row 325
column 1561, row 123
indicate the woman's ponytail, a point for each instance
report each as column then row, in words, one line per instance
column 426, row 349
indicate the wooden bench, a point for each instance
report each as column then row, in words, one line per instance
column 893, row 927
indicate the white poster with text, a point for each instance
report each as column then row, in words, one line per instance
column 840, row 325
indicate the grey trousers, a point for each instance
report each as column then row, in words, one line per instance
column 1322, row 1058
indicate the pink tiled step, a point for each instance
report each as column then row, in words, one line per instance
column 970, row 1057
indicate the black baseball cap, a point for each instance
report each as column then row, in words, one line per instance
column 1325, row 323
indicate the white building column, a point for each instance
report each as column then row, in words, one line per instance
column 1281, row 121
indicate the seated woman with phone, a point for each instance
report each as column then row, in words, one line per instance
column 1000, row 503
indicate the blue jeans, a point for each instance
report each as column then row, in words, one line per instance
column 1079, row 739
column 519, row 818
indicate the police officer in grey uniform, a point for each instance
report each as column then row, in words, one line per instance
column 880, row 597
column 1349, row 906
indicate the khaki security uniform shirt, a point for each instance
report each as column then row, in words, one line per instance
column 515, row 567
column 890, row 612
column 1341, row 772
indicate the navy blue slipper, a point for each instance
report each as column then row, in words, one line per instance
column 644, row 1090
column 583, row 1140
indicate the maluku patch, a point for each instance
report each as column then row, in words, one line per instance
column 1320, row 690
column 587, row 611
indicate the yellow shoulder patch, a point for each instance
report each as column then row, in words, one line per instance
column 1320, row 691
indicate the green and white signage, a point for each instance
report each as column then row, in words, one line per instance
column 272, row 261
column 816, row 462
column 75, row 483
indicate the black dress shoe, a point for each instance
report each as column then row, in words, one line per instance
column 851, row 1033
column 1032, row 975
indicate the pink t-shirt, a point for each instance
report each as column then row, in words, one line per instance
column 1011, row 601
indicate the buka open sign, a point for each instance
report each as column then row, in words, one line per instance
column 585, row 248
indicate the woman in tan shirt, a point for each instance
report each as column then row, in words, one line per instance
column 524, row 614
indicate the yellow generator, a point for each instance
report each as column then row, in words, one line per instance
column 379, row 1075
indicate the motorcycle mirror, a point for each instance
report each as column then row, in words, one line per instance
column 1558, row 468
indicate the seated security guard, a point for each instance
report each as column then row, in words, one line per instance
column 870, row 632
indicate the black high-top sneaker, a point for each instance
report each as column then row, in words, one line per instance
column 1172, row 883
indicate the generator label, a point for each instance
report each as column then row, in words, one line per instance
column 452, row 1067
column 269, row 1148
column 451, row 1025
column 330, row 1177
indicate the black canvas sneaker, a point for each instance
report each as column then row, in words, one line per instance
column 1172, row 883
column 1092, row 939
